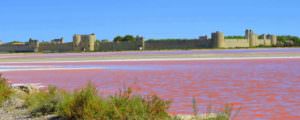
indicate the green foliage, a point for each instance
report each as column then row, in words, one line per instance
column 105, row 40
column 287, row 38
column 86, row 104
column 127, row 38
column 225, row 114
column 5, row 90
column 131, row 107
column 83, row 105
column 44, row 102
column 15, row 42
column 234, row 37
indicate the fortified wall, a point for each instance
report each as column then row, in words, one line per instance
column 88, row 42
column 121, row 46
column 251, row 40
column 30, row 46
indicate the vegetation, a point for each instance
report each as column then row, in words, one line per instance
column 44, row 102
column 5, row 90
column 234, row 37
column 85, row 104
column 287, row 38
column 225, row 114
column 16, row 43
column 126, row 38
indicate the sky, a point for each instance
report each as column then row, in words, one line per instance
column 49, row 19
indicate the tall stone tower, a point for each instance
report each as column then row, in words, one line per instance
column 140, row 42
column 273, row 39
column 252, row 37
column 76, row 41
column 91, row 42
column 84, row 42
column 218, row 40
column 34, row 44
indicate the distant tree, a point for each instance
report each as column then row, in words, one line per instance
column 124, row 39
column 15, row 42
column 286, row 38
column 105, row 40
column 118, row 39
column 129, row 38
column 289, row 40
column 234, row 37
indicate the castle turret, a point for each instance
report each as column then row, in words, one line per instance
column 140, row 42
column 91, row 42
column 218, row 40
column 84, row 42
column 273, row 40
column 34, row 44
column 76, row 40
column 252, row 37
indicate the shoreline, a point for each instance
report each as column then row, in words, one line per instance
column 158, row 59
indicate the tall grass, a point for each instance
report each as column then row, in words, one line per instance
column 226, row 114
column 5, row 90
column 44, row 102
column 127, row 106
column 86, row 104
column 83, row 105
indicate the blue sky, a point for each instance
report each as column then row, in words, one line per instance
column 48, row 19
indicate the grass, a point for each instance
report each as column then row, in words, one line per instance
column 5, row 90
column 44, row 102
column 86, row 104
column 226, row 114
column 83, row 105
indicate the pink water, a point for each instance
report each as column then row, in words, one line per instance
column 265, row 89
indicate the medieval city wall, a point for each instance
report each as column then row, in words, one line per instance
column 176, row 44
column 117, row 46
column 236, row 43
column 50, row 47
column 16, row 48
column 264, row 42
column 87, row 43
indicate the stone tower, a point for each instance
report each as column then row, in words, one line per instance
column 91, row 42
column 218, row 40
column 84, row 42
column 34, row 44
column 252, row 37
column 140, row 42
column 273, row 39
column 76, row 40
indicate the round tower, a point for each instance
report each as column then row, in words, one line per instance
column 76, row 40
column 91, row 44
column 252, row 39
column 273, row 40
column 220, row 40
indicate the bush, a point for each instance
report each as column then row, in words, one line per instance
column 83, row 105
column 129, row 107
column 5, row 90
column 86, row 104
column 44, row 102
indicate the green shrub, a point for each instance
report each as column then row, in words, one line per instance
column 5, row 90
column 86, row 104
column 132, row 107
column 83, row 105
column 44, row 102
